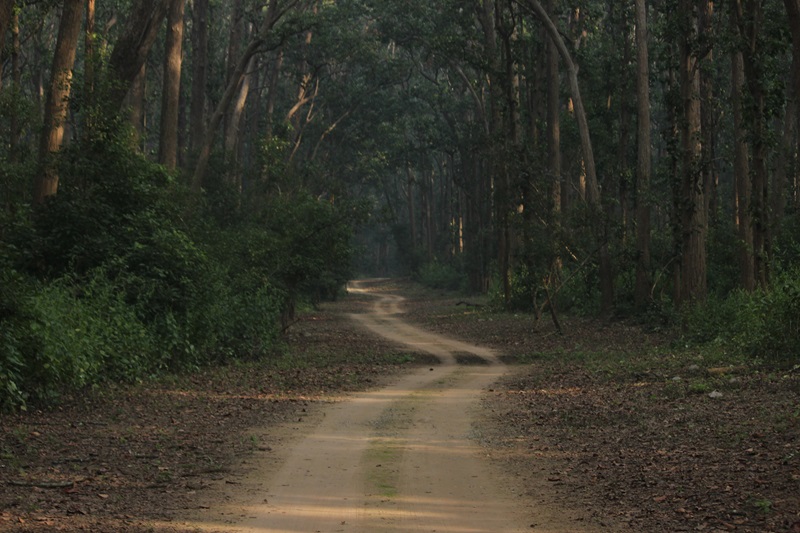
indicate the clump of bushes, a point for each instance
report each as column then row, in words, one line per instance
column 762, row 323
column 121, row 275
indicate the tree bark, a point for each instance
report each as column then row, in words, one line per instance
column 793, row 14
column 135, row 104
column 222, row 107
column 692, row 202
column 132, row 48
column 199, row 76
column 741, row 171
column 643, row 159
column 749, row 16
column 6, row 16
column 56, row 105
column 170, row 95
column 553, row 120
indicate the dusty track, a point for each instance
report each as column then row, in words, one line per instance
column 399, row 459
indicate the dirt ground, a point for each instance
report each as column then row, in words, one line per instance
column 606, row 426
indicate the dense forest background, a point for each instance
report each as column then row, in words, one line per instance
column 177, row 176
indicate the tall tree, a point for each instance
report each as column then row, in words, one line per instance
column 133, row 46
column 749, row 16
column 56, row 105
column 199, row 76
column 6, row 15
column 271, row 18
column 691, row 203
column 741, row 173
column 643, row 159
column 168, row 145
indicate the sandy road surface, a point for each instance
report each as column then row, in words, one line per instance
column 398, row 459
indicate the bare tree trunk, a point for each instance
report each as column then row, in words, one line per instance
column 222, row 107
column 134, row 102
column 90, row 58
column 741, row 171
column 707, row 125
column 592, row 186
column 199, row 76
column 6, row 17
column 16, row 74
column 793, row 13
column 132, row 48
column 170, row 95
column 643, row 159
column 553, row 121
column 692, row 202
column 749, row 23
column 55, row 111
column 235, row 37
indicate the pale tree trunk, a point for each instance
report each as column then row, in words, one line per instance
column 199, row 76
column 234, row 133
column 235, row 37
column 170, row 95
column 643, row 159
column 741, row 171
column 56, row 105
column 89, row 55
column 692, row 201
column 132, row 48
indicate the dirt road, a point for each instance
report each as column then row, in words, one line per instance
column 400, row 459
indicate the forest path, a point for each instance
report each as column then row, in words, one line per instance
column 403, row 458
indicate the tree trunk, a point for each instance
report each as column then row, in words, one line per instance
column 741, row 171
column 793, row 13
column 233, row 85
column 6, row 17
column 749, row 23
column 89, row 56
column 199, row 76
column 692, row 200
column 592, row 186
column 55, row 111
column 707, row 120
column 170, row 96
column 643, row 159
column 16, row 74
column 132, row 48
column 553, row 121
column 235, row 37
column 134, row 102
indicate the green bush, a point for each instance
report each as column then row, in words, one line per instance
column 442, row 276
column 765, row 323
column 60, row 336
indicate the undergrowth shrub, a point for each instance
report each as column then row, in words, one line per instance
column 439, row 275
column 764, row 323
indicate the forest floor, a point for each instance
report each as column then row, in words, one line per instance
column 607, row 419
